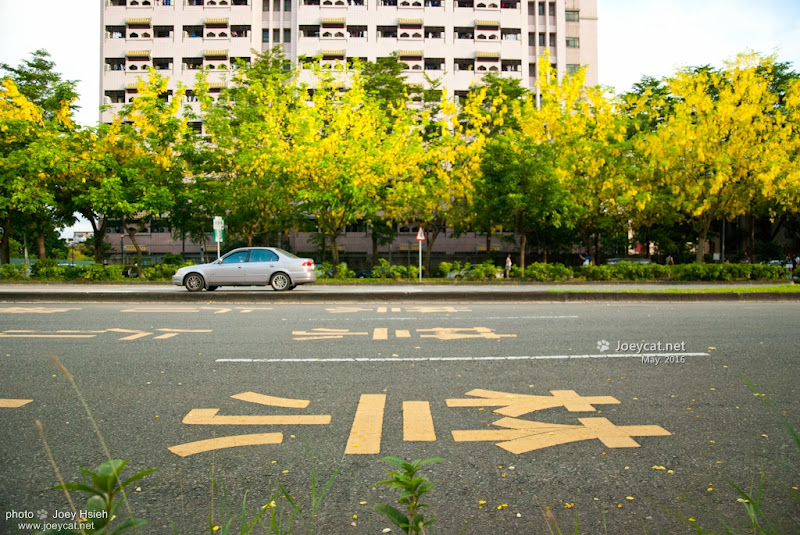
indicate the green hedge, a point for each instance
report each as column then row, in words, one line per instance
column 548, row 272
column 629, row 271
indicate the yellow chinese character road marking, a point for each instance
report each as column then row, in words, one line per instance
column 218, row 310
column 522, row 436
column 347, row 310
column 131, row 334
column 13, row 403
column 34, row 310
column 325, row 334
column 381, row 333
column 247, row 310
column 176, row 332
column 256, row 439
column 365, row 435
column 435, row 310
column 455, row 333
column 162, row 309
column 209, row 417
column 402, row 333
column 272, row 401
column 418, row 422
column 519, row 404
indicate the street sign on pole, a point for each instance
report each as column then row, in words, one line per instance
column 219, row 231
column 420, row 239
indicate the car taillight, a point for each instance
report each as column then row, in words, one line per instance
column 308, row 263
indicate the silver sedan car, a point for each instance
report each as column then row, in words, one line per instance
column 248, row 266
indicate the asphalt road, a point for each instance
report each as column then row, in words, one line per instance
column 499, row 391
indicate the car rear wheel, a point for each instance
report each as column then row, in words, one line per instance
column 280, row 282
column 194, row 282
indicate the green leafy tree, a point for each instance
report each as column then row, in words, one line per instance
column 521, row 188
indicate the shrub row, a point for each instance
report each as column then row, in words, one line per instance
column 623, row 271
column 49, row 270
column 682, row 272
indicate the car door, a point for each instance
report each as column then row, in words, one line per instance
column 230, row 270
column 260, row 267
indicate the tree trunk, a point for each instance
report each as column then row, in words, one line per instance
column 5, row 248
column 334, row 251
column 702, row 239
column 523, row 244
column 430, row 239
column 596, row 255
column 489, row 245
column 99, row 234
column 40, row 245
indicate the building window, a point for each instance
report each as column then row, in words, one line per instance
column 359, row 32
column 309, row 31
column 162, row 32
column 552, row 39
column 463, row 33
column 115, row 64
column 193, row 31
column 541, row 9
column 572, row 16
column 434, row 64
column 192, row 64
column 572, row 68
column 541, row 39
column 265, row 36
column 434, row 32
column 115, row 97
column 552, row 9
column 287, row 5
column 276, row 35
column 573, row 42
column 389, row 32
column 287, row 35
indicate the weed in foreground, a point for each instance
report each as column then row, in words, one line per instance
column 413, row 487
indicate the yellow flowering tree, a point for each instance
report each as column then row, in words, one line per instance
column 438, row 191
column 344, row 152
column 725, row 146
column 587, row 135
column 144, row 150
column 244, row 171
column 35, row 114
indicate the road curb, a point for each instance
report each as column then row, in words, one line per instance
column 397, row 296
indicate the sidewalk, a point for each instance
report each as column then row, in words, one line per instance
column 324, row 292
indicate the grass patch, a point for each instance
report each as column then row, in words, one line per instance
column 777, row 288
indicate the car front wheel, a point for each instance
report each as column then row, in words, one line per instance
column 194, row 282
column 280, row 282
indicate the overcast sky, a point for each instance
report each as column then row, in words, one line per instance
column 636, row 37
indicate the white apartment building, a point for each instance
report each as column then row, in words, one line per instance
column 457, row 41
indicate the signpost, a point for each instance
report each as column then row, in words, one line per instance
column 219, row 231
column 420, row 239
